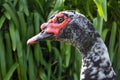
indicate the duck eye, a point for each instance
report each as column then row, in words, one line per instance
column 60, row 19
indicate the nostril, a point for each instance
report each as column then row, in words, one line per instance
column 43, row 26
column 42, row 31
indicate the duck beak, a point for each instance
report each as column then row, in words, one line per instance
column 43, row 35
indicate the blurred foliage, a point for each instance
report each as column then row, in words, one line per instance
column 48, row 60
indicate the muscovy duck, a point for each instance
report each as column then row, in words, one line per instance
column 74, row 28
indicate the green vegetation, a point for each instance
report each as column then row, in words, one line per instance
column 50, row 60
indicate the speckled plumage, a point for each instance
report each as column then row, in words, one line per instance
column 96, row 64
column 80, row 33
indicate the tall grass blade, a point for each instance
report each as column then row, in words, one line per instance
column 12, row 31
column 98, row 24
column 23, row 27
column 37, row 22
column 43, row 74
column 31, row 67
column 11, row 71
column 2, row 20
column 9, row 54
column 59, row 59
column 7, row 15
column 11, row 10
column 37, row 54
column 2, row 57
column 104, row 34
column 58, row 4
column 112, row 40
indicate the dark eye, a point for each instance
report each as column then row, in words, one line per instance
column 60, row 19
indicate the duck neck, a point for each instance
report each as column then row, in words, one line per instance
column 96, row 63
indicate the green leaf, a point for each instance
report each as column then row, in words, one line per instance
column 75, row 76
column 31, row 67
column 58, row 4
column 59, row 58
column 2, row 20
column 7, row 15
column 102, row 8
column 98, row 24
column 2, row 57
column 67, row 55
column 20, row 52
column 36, row 22
column 23, row 7
column 19, row 45
column 104, row 33
column 11, row 71
column 23, row 27
column 118, row 56
column 43, row 75
column 48, row 70
column 9, row 52
column 37, row 53
column 52, row 13
column 112, row 40
column 12, row 35
column 49, row 45
column 11, row 10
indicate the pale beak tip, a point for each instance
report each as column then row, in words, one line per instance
column 31, row 41
column 28, row 41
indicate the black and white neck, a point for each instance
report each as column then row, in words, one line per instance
column 96, row 64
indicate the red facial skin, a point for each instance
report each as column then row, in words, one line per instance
column 53, row 27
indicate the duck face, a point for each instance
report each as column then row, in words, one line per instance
column 52, row 28
column 68, row 26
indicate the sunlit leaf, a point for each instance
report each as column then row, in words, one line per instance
column 102, row 8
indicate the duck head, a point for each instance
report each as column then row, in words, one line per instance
column 67, row 26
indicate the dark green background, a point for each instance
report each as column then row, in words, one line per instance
column 50, row 60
